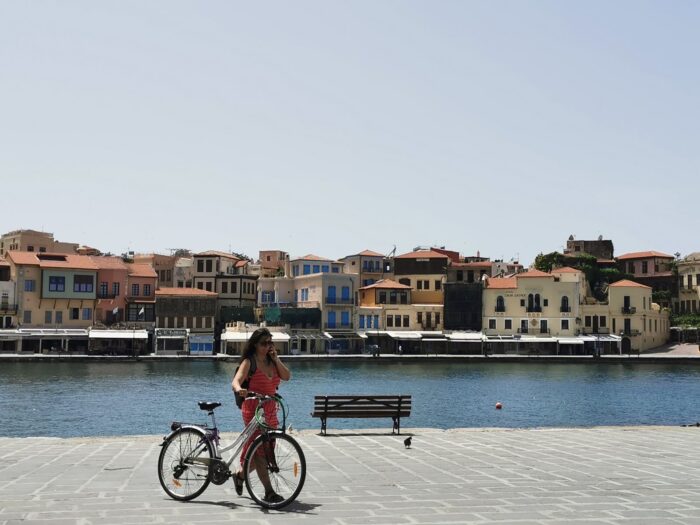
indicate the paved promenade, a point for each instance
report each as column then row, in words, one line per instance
column 647, row 475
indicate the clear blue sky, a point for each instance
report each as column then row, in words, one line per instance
column 330, row 127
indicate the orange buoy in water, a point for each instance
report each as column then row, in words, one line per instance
column 498, row 406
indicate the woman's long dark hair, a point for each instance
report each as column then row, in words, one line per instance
column 248, row 351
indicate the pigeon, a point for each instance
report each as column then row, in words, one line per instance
column 290, row 429
column 407, row 442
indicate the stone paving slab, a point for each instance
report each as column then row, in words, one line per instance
column 623, row 475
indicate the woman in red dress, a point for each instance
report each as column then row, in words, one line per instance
column 269, row 370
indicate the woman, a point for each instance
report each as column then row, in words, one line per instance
column 268, row 371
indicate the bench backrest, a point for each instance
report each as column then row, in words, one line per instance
column 363, row 405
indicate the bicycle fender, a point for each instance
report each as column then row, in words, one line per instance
column 181, row 426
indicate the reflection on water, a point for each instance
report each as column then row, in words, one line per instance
column 82, row 399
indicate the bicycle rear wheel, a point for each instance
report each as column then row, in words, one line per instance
column 282, row 461
column 184, row 464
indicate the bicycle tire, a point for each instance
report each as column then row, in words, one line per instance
column 286, row 468
column 179, row 480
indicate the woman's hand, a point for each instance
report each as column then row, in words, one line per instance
column 243, row 392
column 273, row 354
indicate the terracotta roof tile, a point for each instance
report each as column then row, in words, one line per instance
column 501, row 283
column 242, row 263
column 566, row 269
column 141, row 270
column 481, row 264
column 533, row 273
column 626, row 283
column 68, row 261
column 109, row 263
column 312, row 257
column 370, row 253
column 189, row 292
column 386, row 283
column 422, row 254
column 644, row 255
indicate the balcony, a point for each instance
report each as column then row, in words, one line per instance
column 523, row 330
column 500, row 309
column 629, row 310
column 535, row 308
column 631, row 333
column 565, row 309
column 339, row 300
column 8, row 308
column 106, row 295
column 372, row 269
column 588, row 330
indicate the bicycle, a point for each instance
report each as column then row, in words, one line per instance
column 191, row 458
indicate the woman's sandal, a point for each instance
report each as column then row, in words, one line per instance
column 238, row 483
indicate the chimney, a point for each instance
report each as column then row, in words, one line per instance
column 287, row 266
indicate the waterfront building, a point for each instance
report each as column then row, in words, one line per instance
column 235, row 335
column 601, row 248
column 34, row 241
column 688, row 299
column 653, row 269
column 185, row 320
column 226, row 275
column 56, row 297
column 112, row 284
column 164, row 265
column 183, row 273
column 271, row 263
column 369, row 265
column 425, row 272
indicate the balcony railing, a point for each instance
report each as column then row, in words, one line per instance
column 339, row 300
column 631, row 333
column 332, row 326
column 8, row 308
column 523, row 330
column 500, row 309
column 527, row 330
column 591, row 330
column 106, row 295
column 533, row 308
column 565, row 309
column 629, row 309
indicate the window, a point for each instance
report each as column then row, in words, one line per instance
column 630, row 267
column 426, row 285
column 392, row 297
column 324, row 268
column 147, row 290
column 500, row 304
column 234, row 287
column 419, row 317
column 645, row 267
column 522, row 302
column 27, row 316
column 437, row 318
column 104, row 289
column 87, row 314
column 317, row 268
column 59, row 317
column 200, row 265
column 602, row 320
column 208, row 287
column 30, row 248
column 690, row 281
column 29, row 286
column 58, row 284
column 376, row 321
column 83, row 283
column 565, row 304
column 115, row 288
column 470, row 276
column 209, row 266
column 307, row 269
column 295, row 270
column 543, row 326
column 492, row 324
column 335, row 269
column 406, row 321
column 47, row 317
column 362, row 321
column 345, row 318
column 508, row 324
column 345, row 293
column 224, row 287
column 420, row 284
column 460, row 275
column 545, row 302
column 382, row 297
column 207, row 322
column 200, row 286
column 134, row 290
column 588, row 321
column 403, row 298
column 74, row 314
column 438, row 284
column 564, row 324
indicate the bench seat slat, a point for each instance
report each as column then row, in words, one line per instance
column 350, row 415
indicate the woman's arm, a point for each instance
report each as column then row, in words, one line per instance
column 239, row 377
column 282, row 370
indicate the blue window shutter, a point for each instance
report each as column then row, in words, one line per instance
column 345, row 292
column 376, row 321
column 307, row 269
column 362, row 321
column 331, row 319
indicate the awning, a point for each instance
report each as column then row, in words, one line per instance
column 362, row 335
column 537, row 340
column 53, row 332
column 327, row 335
column 433, row 339
column 244, row 336
column 404, row 335
column 9, row 333
column 465, row 336
column 570, row 341
column 118, row 334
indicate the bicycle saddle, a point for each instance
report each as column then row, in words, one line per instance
column 208, row 405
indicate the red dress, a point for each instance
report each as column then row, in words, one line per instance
column 260, row 384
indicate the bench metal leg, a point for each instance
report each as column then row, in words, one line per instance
column 397, row 425
column 323, row 426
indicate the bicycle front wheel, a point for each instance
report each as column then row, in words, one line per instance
column 184, row 464
column 275, row 470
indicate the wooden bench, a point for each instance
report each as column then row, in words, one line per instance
column 366, row 406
